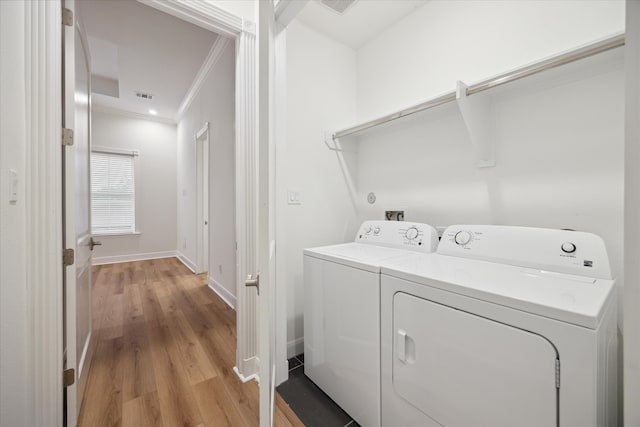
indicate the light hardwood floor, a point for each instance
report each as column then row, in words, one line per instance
column 164, row 352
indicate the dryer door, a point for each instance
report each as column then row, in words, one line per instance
column 465, row 370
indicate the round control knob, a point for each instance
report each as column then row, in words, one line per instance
column 376, row 230
column 367, row 229
column 462, row 238
column 568, row 247
column 411, row 233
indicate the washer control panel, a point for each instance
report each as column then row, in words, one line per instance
column 399, row 234
column 563, row 251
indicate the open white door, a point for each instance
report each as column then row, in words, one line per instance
column 76, row 213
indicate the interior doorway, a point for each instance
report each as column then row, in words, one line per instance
column 119, row 104
column 202, row 205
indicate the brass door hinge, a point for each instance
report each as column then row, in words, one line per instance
column 68, row 377
column 68, row 257
column 67, row 136
column 67, row 17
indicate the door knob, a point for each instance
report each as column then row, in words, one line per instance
column 251, row 282
column 94, row 243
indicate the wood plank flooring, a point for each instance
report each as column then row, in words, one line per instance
column 164, row 353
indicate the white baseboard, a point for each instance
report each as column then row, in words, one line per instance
column 186, row 261
column 132, row 257
column 223, row 293
column 295, row 347
column 243, row 378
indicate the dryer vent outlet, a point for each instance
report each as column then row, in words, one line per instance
column 394, row 215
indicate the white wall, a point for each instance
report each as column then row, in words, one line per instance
column 632, row 220
column 15, row 395
column 214, row 103
column 156, row 186
column 424, row 54
column 321, row 95
column 558, row 140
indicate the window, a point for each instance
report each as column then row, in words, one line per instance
column 113, row 196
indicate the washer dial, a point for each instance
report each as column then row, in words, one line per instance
column 462, row 238
column 411, row 233
column 568, row 247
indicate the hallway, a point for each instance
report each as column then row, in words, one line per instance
column 164, row 352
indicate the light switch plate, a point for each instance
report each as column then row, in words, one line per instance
column 13, row 186
column 293, row 197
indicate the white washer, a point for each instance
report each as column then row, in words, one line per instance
column 342, row 312
column 503, row 326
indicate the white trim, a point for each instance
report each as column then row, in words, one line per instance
column 43, row 205
column 186, row 261
column 202, row 14
column 110, row 150
column 114, row 259
column 281, row 226
column 217, row 49
column 105, row 109
column 201, row 140
column 295, row 347
column 201, row 132
column 222, row 292
column 243, row 378
column 287, row 10
column 246, row 202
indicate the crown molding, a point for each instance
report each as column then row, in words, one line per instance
column 209, row 63
column 202, row 14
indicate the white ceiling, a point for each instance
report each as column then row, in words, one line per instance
column 361, row 22
column 143, row 50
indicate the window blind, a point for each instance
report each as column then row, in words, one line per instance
column 113, row 197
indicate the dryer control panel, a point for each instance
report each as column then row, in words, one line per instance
column 399, row 234
column 563, row 251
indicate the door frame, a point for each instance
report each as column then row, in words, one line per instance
column 43, row 172
column 43, row 205
column 202, row 140
column 243, row 32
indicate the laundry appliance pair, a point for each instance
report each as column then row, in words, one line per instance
column 491, row 326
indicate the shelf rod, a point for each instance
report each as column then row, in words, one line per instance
column 565, row 58
column 443, row 99
column 562, row 59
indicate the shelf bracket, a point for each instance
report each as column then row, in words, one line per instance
column 333, row 143
column 477, row 114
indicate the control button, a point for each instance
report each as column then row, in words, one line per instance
column 462, row 238
column 568, row 247
column 376, row 230
column 411, row 233
column 367, row 229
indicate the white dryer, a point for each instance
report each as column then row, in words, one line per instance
column 503, row 326
column 342, row 312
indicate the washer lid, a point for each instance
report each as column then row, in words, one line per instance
column 358, row 255
column 568, row 298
